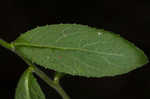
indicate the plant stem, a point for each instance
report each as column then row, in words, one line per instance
column 7, row 45
column 51, row 83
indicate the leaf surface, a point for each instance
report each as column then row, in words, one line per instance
column 28, row 87
column 80, row 50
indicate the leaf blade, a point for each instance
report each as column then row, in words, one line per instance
column 80, row 50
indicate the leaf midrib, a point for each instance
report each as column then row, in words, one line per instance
column 27, row 85
column 65, row 48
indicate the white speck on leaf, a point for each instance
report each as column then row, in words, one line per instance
column 99, row 33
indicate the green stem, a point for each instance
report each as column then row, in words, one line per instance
column 51, row 83
column 7, row 45
column 54, row 84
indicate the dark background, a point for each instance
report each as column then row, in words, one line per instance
column 129, row 18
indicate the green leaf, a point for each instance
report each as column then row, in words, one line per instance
column 80, row 50
column 28, row 87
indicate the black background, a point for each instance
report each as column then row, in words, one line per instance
column 129, row 18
